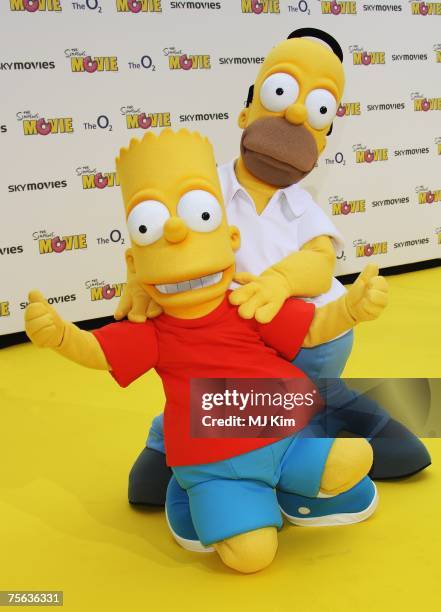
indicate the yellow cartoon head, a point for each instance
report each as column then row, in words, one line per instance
column 294, row 101
column 182, row 248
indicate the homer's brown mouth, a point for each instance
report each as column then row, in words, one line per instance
column 277, row 152
column 282, row 173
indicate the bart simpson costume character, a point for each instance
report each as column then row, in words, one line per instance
column 288, row 243
column 183, row 254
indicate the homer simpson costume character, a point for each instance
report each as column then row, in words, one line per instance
column 182, row 251
column 288, row 247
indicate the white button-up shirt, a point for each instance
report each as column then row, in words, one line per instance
column 290, row 219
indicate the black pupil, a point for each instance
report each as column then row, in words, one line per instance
column 205, row 216
column 323, row 110
column 143, row 229
column 279, row 91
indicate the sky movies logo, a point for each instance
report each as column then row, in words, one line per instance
column 34, row 125
column 138, row 6
column 32, row 6
column 92, row 179
column 138, row 119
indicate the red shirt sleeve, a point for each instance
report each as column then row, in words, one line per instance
column 131, row 349
column 288, row 329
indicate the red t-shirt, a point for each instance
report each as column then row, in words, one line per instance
column 218, row 345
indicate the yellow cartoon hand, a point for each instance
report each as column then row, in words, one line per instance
column 368, row 296
column 260, row 297
column 43, row 325
column 136, row 304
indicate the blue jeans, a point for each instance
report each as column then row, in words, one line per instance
column 346, row 409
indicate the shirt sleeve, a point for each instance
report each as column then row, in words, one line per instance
column 288, row 329
column 131, row 349
column 314, row 222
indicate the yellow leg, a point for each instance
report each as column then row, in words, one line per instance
column 249, row 552
column 349, row 460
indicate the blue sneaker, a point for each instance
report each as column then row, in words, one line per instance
column 352, row 506
column 178, row 517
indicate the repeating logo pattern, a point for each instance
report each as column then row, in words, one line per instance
column 181, row 64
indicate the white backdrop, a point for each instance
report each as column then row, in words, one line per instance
column 94, row 74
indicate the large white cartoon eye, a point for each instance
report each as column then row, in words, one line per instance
column 322, row 107
column 146, row 222
column 200, row 210
column 279, row 91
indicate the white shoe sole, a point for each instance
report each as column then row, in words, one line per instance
column 331, row 520
column 191, row 545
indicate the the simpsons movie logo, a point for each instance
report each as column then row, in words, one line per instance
column 425, row 8
column 136, row 118
column 93, row 179
column 438, row 144
column 32, row 6
column 347, row 109
column 4, row 309
column 34, row 125
column 437, row 49
column 424, row 104
column 364, row 155
column 428, row 196
column 100, row 290
column 360, row 57
column 341, row 206
column 367, row 249
column 438, row 235
column 49, row 242
column 80, row 61
column 257, row 7
column 138, row 6
column 339, row 8
column 178, row 60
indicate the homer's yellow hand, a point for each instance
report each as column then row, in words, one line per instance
column 367, row 297
column 136, row 304
column 43, row 325
column 260, row 297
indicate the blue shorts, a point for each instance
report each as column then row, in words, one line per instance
column 238, row 495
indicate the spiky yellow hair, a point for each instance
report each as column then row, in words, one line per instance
column 161, row 157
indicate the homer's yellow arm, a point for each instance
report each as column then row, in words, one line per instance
column 305, row 273
column 46, row 329
column 308, row 272
column 364, row 301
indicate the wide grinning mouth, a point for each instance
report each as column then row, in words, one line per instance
column 190, row 285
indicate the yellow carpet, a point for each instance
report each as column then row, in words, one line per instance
column 69, row 437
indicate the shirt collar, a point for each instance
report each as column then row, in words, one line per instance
column 291, row 194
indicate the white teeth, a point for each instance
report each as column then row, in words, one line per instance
column 194, row 283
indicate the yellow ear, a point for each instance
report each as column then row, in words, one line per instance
column 242, row 120
column 234, row 237
column 130, row 261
